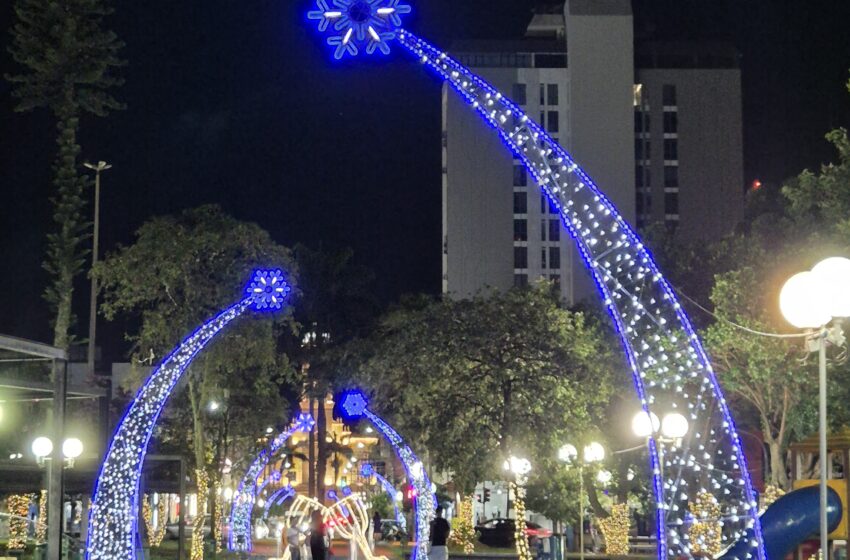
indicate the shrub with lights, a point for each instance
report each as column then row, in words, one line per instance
column 668, row 363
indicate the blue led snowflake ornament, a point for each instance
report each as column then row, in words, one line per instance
column 304, row 422
column 353, row 405
column 267, row 290
column 357, row 25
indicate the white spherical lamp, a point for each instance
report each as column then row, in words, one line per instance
column 42, row 447
column 675, row 426
column 594, row 452
column 568, row 453
column 803, row 302
column 644, row 425
column 72, row 448
column 833, row 275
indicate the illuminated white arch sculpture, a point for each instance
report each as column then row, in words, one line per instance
column 246, row 494
column 667, row 360
column 114, row 514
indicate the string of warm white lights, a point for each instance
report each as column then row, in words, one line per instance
column 18, row 506
column 615, row 529
column 155, row 527
column 246, row 493
column 354, row 407
column 520, row 536
column 202, row 480
column 41, row 526
column 463, row 529
column 113, row 518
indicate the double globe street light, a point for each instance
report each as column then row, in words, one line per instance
column 593, row 453
column 816, row 301
column 42, row 448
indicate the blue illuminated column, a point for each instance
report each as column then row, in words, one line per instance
column 113, row 517
column 394, row 494
column 241, row 512
column 354, row 407
column 668, row 363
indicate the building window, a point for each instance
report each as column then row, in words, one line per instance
column 520, row 230
column 520, row 257
column 638, row 95
column 671, row 203
column 554, row 230
column 643, row 177
column 542, row 230
column 638, row 121
column 553, row 124
column 521, row 280
column 639, row 209
column 668, row 94
column 520, row 176
column 543, row 257
column 520, row 94
column 643, row 149
column 671, row 122
column 671, row 177
column 542, row 95
column 555, row 257
column 552, row 91
column 671, row 150
column 520, row 203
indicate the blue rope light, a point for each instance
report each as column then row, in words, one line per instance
column 278, row 497
column 394, row 494
column 359, row 25
column 669, row 365
column 113, row 518
column 355, row 407
column 245, row 497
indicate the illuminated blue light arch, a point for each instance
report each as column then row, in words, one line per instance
column 669, row 365
column 245, row 497
column 277, row 498
column 392, row 492
column 354, row 407
column 113, row 518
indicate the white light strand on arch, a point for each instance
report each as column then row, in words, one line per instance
column 670, row 367
column 241, row 512
column 115, row 509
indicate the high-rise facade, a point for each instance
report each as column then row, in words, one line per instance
column 657, row 125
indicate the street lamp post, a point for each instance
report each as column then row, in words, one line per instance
column 593, row 453
column 816, row 301
column 98, row 169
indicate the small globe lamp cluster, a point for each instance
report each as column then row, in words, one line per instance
column 42, row 448
column 810, row 300
column 674, row 426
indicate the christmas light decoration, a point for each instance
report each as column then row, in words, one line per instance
column 520, row 536
column 395, row 496
column 277, row 498
column 615, row 529
column 358, row 25
column 155, row 528
column 669, row 365
column 354, row 407
column 707, row 526
column 463, row 529
column 246, row 494
column 41, row 526
column 219, row 517
column 114, row 513
column 202, row 479
column 18, row 506
column 771, row 494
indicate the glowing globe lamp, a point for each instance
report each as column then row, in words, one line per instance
column 72, row 448
column 675, row 426
column 42, row 447
column 803, row 302
column 594, row 453
column 568, row 453
column 833, row 275
column 644, row 425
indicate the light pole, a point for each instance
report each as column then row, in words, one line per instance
column 98, row 169
column 519, row 467
column 817, row 301
column 593, row 453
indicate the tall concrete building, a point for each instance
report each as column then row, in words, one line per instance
column 657, row 125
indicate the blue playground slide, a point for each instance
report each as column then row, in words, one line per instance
column 792, row 519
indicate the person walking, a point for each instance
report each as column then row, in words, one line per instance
column 376, row 525
column 440, row 530
column 318, row 538
column 293, row 540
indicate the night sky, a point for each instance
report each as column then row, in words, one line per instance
column 238, row 103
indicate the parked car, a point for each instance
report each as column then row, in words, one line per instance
column 499, row 533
